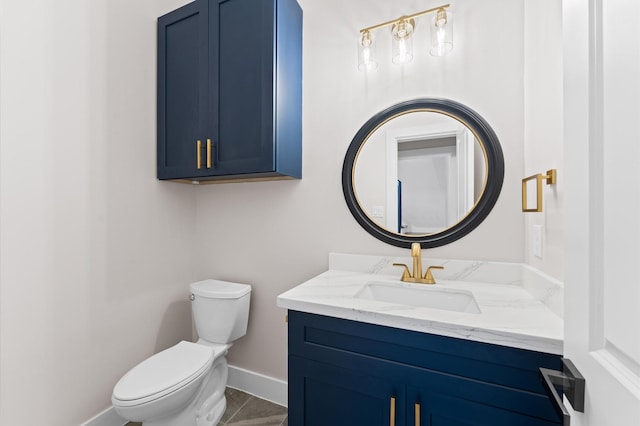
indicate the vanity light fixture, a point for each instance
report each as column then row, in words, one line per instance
column 402, row 30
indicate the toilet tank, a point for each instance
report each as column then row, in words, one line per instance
column 220, row 310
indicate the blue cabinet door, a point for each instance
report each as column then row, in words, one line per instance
column 323, row 394
column 256, row 90
column 182, row 90
column 241, row 93
column 230, row 90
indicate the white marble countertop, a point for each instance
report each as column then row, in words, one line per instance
column 514, row 305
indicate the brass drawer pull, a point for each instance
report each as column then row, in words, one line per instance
column 417, row 413
column 198, row 155
column 392, row 414
column 208, row 153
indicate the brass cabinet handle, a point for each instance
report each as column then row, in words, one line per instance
column 392, row 414
column 417, row 413
column 198, row 158
column 208, row 153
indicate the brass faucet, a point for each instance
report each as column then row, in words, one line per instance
column 417, row 277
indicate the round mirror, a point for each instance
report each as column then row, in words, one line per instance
column 425, row 170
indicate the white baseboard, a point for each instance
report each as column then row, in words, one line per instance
column 265, row 387
column 256, row 384
column 108, row 417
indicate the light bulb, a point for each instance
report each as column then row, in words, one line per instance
column 441, row 33
column 366, row 52
column 402, row 42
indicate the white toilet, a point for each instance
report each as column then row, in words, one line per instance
column 184, row 385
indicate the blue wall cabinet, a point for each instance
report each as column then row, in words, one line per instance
column 344, row 372
column 230, row 91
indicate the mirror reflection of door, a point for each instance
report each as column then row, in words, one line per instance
column 420, row 173
column 435, row 166
column 428, row 185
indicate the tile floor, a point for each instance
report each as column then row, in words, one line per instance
column 247, row 410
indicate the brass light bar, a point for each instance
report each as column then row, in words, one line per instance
column 407, row 17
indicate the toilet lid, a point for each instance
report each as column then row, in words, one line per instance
column 164, row 372
column 219, row 289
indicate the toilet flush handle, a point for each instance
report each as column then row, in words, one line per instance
column 192, row 297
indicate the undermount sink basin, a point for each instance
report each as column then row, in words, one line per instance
column 420, row 295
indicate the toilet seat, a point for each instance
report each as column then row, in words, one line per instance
column 163, row 373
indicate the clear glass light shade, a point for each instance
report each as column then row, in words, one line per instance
column 402, row 42
column 366, row 52
column 441, row 33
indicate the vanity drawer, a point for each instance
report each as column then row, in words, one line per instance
column 332, row 340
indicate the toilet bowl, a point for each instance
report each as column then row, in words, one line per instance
column 184, row 384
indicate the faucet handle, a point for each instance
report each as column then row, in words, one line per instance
column 428, row 276
column 405, row 274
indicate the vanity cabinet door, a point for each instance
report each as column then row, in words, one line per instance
column 453, row 401
column 323, row 394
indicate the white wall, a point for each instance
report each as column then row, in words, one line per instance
column 95, row 253
column 276, row 235
column 543, row 127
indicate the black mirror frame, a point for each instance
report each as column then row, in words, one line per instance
column 495, row 172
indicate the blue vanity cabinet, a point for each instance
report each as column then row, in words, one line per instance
column 344, row 372
column 230, row 91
